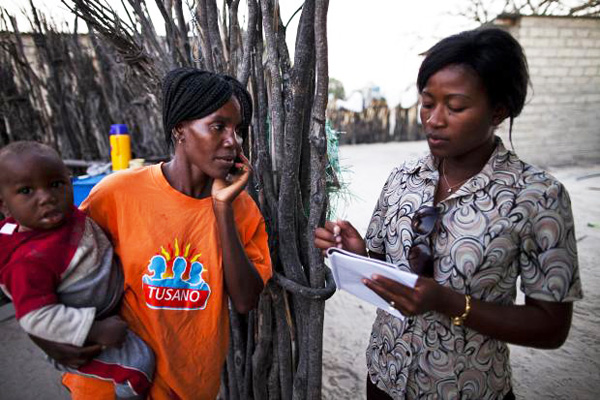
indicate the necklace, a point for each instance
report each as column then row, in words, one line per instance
column 450, row 187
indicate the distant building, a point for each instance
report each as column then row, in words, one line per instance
column 404, row 118
column 363, row 117
column 355, row 102
column 560, row 123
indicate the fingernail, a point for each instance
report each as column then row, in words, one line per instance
column 364, row 281
column 374, row 277
column 339, row 246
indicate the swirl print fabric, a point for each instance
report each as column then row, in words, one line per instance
column 511, row 220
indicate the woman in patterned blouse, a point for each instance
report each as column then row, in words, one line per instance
column 471, row 218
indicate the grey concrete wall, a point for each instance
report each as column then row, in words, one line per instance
column 560, row 123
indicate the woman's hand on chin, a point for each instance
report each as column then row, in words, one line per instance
column 226, row 190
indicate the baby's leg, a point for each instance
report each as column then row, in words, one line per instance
column 131, row 367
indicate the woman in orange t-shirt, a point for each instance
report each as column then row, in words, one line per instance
column 189, row 239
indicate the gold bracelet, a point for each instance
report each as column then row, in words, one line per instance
column 461, row 319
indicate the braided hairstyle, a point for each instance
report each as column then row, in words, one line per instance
column 191, row 93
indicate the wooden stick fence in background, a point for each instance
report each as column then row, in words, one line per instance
column 66, row 89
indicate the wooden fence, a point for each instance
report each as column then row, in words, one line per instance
column 375, row 124
column 66, row 90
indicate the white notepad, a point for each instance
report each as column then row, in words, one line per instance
column 348, row 270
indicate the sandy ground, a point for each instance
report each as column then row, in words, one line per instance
column 571, row 372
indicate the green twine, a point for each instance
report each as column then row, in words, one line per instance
column 336, row 185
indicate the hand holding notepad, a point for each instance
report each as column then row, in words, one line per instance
column 349, row 269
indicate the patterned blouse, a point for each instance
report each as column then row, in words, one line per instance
column 510, row 220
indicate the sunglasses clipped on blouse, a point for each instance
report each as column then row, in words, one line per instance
column 420, row 255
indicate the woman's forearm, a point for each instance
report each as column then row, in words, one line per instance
column 537, row 323
column 242, row 280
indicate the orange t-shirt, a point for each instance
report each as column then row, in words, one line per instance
column 174, row 297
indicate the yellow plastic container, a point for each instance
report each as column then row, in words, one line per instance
column 120, row 147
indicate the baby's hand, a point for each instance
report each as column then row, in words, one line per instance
column 108, row 332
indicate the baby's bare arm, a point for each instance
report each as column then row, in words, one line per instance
column 108, row 332
column 67, row 354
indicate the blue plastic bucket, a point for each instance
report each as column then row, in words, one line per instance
column 83, row 187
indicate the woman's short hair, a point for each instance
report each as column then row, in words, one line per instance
column 494, row 55
column 191, row 93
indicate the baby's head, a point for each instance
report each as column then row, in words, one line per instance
column 35, row 186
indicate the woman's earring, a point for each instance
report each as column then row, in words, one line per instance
column 176, row 136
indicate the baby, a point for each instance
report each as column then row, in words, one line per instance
column 58, row 268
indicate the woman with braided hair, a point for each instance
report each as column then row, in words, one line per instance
column 189, row 237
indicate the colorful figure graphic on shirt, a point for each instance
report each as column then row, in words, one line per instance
column 166, row 285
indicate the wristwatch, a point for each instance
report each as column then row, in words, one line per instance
column 458, row 321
